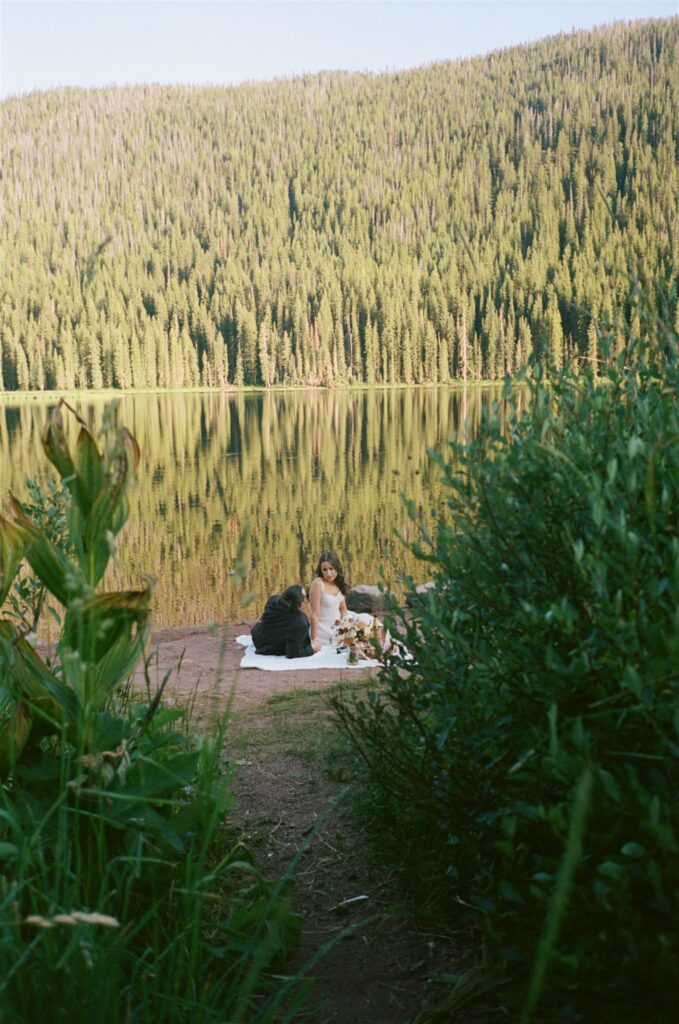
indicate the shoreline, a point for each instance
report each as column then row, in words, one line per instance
column 205, row 660
column 25, row 397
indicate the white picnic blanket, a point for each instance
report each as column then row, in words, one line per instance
column 327, row 657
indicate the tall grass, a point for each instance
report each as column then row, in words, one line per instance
column 165, row 935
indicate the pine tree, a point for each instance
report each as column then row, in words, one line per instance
column 401, row 210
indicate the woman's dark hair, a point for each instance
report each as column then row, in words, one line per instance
column 330, row 556
column 293, row 596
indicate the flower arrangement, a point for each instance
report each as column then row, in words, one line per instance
column 358, row 636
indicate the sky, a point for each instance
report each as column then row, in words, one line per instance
column 50, row 43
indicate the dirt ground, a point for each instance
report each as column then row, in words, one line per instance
column 378, row 969
column 208, row 664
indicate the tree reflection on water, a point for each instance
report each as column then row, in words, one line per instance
column 300, row 471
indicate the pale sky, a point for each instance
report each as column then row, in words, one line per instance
column 48, row 43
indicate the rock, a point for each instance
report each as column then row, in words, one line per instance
column 420, row 591
column 365, row 598
column 422, row 588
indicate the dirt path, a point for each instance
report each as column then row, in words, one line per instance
column 294, row 816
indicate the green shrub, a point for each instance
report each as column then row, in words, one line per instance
column 122, row 895
column 522, row 760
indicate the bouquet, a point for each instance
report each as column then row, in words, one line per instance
column 358, row 636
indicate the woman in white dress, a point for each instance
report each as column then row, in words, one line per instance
column 327, row 598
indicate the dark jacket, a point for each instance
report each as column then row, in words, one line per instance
column 280, row 631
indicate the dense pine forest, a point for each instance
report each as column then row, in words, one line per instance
column 425, row 226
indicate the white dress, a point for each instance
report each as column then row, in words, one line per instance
column 328, row 615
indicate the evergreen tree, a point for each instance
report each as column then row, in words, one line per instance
column 465, row 214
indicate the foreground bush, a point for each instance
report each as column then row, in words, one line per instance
column 523, row 765
column 122, row 896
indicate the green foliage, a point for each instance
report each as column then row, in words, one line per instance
column 46, row 507
column 103, row 633
column 523, row 760
column 435, row 224
column 122, row 896
column 114, row 905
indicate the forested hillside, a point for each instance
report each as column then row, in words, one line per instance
column 429, row 225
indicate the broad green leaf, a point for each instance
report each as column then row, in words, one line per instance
column 120, row 516
column 47, row 695
column 13, row 543
column 90, row 467
column 14, row 733
column 8, row 634
column 122, row 472
column 116, row 666
column 142, row 816
column 95, row 625
column 56, row 447
column 80, row 479
column 104, row 516
column 149, row 779
column 99, row 556
column 49, row 564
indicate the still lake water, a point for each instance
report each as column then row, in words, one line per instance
column 300, row 471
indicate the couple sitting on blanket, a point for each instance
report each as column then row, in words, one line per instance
column 284, row 628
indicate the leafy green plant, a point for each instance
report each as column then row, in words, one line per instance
column 546, row 654
column 46, row 507
column 103, row 634
column 122, row 897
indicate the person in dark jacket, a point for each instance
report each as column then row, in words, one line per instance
column 283, row 628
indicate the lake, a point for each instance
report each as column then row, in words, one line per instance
column 293, row 472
